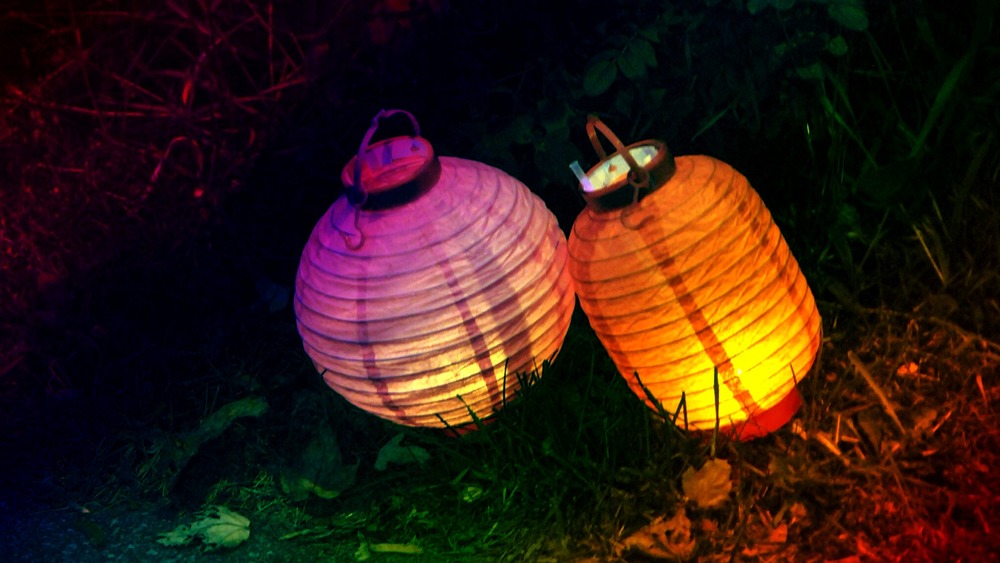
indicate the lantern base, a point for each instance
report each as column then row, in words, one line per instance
column 764, row 422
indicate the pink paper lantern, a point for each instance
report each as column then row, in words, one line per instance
column 430, row 284
column 683, row 274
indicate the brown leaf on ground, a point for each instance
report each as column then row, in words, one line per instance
column 709, row 486
column 662, row 538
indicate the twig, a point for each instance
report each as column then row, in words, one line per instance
column 882, row 398
column 982, row 389
column 146, row 111
column 934, row 320
column 823, row 438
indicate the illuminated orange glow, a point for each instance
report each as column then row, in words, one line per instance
column 422, row 310
column 694, row 277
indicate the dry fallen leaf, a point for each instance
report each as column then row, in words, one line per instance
column 776, row 538
column 397, row 454
column 662, row 539
column 797, row 513
column 923, row 422
column 908, row 369
column 709, row 486
column 217, row 527
column 778, row 534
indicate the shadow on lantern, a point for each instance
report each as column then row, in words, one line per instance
column 691, row 288
column 430, row 284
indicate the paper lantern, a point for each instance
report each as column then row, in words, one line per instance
column 682, row 272
column 430, row 284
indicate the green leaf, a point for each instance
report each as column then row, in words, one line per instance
column 637, row 56
column 886, row 186
column 654, row 97
column 849, row 13
column 848, row 221
column 398, row 454
column 600, row 76
column 644, row 50
column 553, row 116
column 625, row 101
column 554, row 151
column 650, row 33
column 811, row 72
column 631, row 64
column 519, row 130
column 837, row 46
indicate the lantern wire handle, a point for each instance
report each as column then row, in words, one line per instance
column 356, row 194
column 639, row 176
column 357, row 227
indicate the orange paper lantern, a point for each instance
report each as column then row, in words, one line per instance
column 682, row 272
column 430, row 283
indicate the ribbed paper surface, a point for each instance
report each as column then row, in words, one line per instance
column 446, row 299
column 693, row 277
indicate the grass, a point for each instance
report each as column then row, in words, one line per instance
column 166, row 165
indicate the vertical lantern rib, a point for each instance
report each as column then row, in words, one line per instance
column 370, row 362
column 480, row 351
column 703, row 329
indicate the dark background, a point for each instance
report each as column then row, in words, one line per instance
column 163, row 164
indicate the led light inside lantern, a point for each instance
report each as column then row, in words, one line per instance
column 430, row 284
column 682, row 272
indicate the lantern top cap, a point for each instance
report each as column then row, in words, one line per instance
column 626, row 176
column 390, row 172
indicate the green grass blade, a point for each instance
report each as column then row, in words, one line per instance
column 940, row 101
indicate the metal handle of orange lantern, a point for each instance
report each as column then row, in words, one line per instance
column 638, row 176
column 650, row 166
